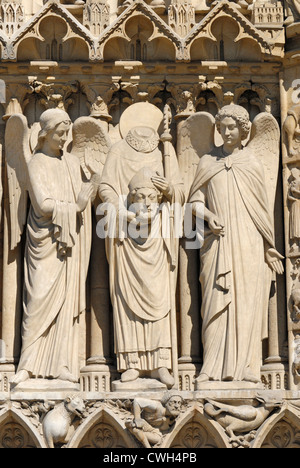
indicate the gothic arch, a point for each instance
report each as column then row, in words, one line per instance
column 194, row 430
column 103, row 429
column 120, row 41
column 140, row 41
column 16, row 432
column 282, row 430
column 30, row 35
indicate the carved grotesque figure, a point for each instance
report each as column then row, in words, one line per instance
column 152, row 418
column 57, row 422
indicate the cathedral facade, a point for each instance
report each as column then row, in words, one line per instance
column 108, row 339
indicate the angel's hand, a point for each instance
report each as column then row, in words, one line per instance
column 86, row 193
column 274, row 260
column 216, row 226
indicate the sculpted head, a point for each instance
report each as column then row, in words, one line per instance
column 233, row 123
column 142, row 190
column 55, row 126
column 173, row 404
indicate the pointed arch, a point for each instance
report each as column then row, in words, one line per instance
column 17, row 432
column 194, row 430
column 281, row 430
column 103, row 429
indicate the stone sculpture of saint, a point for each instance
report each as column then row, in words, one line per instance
column 141, row 282
column 294, row 199
column 234, row 188
column 57, row 247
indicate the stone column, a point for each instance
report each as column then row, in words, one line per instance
column 189, row 303
column 98, row 373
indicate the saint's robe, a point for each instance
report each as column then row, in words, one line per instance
column 141, row 282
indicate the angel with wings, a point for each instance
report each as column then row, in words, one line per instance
column 234, row 188
column 60, row 186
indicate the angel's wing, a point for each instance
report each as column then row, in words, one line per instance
column 265, row 144
column 91, row 144
column 18, row 155
column 196, row 138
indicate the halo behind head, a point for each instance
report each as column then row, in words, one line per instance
column 141, row 114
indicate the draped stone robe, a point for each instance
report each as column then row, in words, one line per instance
column 54, row 285
column 234, row 276
column 141, row 283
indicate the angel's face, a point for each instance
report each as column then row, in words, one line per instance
column 230, row 132
column 57, row 137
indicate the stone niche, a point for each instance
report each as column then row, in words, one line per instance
column 125, row 119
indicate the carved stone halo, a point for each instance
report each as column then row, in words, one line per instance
column 143, row 139
column 142, row 114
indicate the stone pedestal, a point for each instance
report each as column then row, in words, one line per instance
column 232, row 385
column 138, row 385
column 96, row 377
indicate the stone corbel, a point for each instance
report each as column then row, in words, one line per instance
column 54, row 95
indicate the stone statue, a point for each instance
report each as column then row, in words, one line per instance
column 242, row 419
column 234, row 189
column 57, row 250
column 153, row 418
column 291, row 130
column 294, row 199
column 295, row 302
column 57, row 422
column 142, row 280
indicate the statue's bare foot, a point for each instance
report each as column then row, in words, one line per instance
column 249, row 377
column 165, row 377
column 130, row 375
column 66, row 375
column 202, row 378
column 20, row 376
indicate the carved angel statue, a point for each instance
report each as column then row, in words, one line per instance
column 60, row 186
column 234, row 190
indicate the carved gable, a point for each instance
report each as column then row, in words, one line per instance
column 52, row 34
column 226, row 35
column 139, row 34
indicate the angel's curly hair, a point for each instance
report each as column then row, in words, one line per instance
column 239, row 114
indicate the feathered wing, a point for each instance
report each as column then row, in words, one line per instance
column 91, row 144
column 18, row 155
column 196, row 138
column 265, row 144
